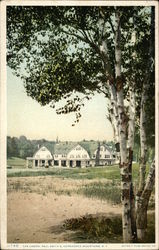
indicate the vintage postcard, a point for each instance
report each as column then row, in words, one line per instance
column 79, row 124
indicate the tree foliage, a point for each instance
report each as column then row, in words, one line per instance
column 56, row 51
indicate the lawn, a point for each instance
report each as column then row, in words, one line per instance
column 111, row 172
column 97, row 183
column 108, row 172
column 110, row 192
column 16, row 162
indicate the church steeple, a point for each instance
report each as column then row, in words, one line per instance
column 57, row 140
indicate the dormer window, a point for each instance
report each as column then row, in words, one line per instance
column 43, row 149
column 71, row 156
column 107, row 156
column 84, row 156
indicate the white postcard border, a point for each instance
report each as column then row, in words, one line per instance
column 3, row 126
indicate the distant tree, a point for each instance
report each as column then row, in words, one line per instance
column 9, row 147
column 14, row 147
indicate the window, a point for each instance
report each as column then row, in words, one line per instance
column 94, row 155
column 107, row 156
column 78, row 156
column 78, row 148
column 43, row 149
column 84, row 156
column 71, row 156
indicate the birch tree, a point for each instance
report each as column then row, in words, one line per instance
column 145, row 187
column 62, row 51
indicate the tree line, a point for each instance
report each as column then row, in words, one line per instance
column 22, row 147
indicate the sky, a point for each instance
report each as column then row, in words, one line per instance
column 26, row 117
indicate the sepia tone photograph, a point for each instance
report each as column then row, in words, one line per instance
column 80, row 133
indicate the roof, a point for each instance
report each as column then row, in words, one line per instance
column 43, row 153
column 64, row 147
column 89, row 146
column 67, row 146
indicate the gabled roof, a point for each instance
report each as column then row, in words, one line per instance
column 64, row 147
column 106, row 147
column 90, row 146
column 42, row 152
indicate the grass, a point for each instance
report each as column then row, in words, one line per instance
column 100, row 229
column 15, row 162
column 30, row 187
column 103, row 191
column 110, row 172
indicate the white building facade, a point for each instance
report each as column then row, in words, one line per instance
column 42, row 158
column 78, row 156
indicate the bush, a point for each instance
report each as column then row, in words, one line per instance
column 96, row 229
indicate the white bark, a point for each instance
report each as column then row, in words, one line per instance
column 131, row 132
column 131, row 128
column 144, row 192
column 113, row 96
column 143, row 143
column 150, row 179
column 122, row 122
column 143, row 201
column 114, row 112
column 120, row 98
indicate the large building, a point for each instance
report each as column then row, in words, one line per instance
column 42, row 158
column 70, row 154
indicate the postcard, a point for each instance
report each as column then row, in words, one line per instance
column 79, row 124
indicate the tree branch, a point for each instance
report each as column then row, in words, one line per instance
column 111, row 24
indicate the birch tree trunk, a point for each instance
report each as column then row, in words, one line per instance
column 143, row 143
column 125, row 181
column 114, row 110
column 144, row 190
column 141, row 199
column 143, row 203
column 131, row 132
column 111, row 86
